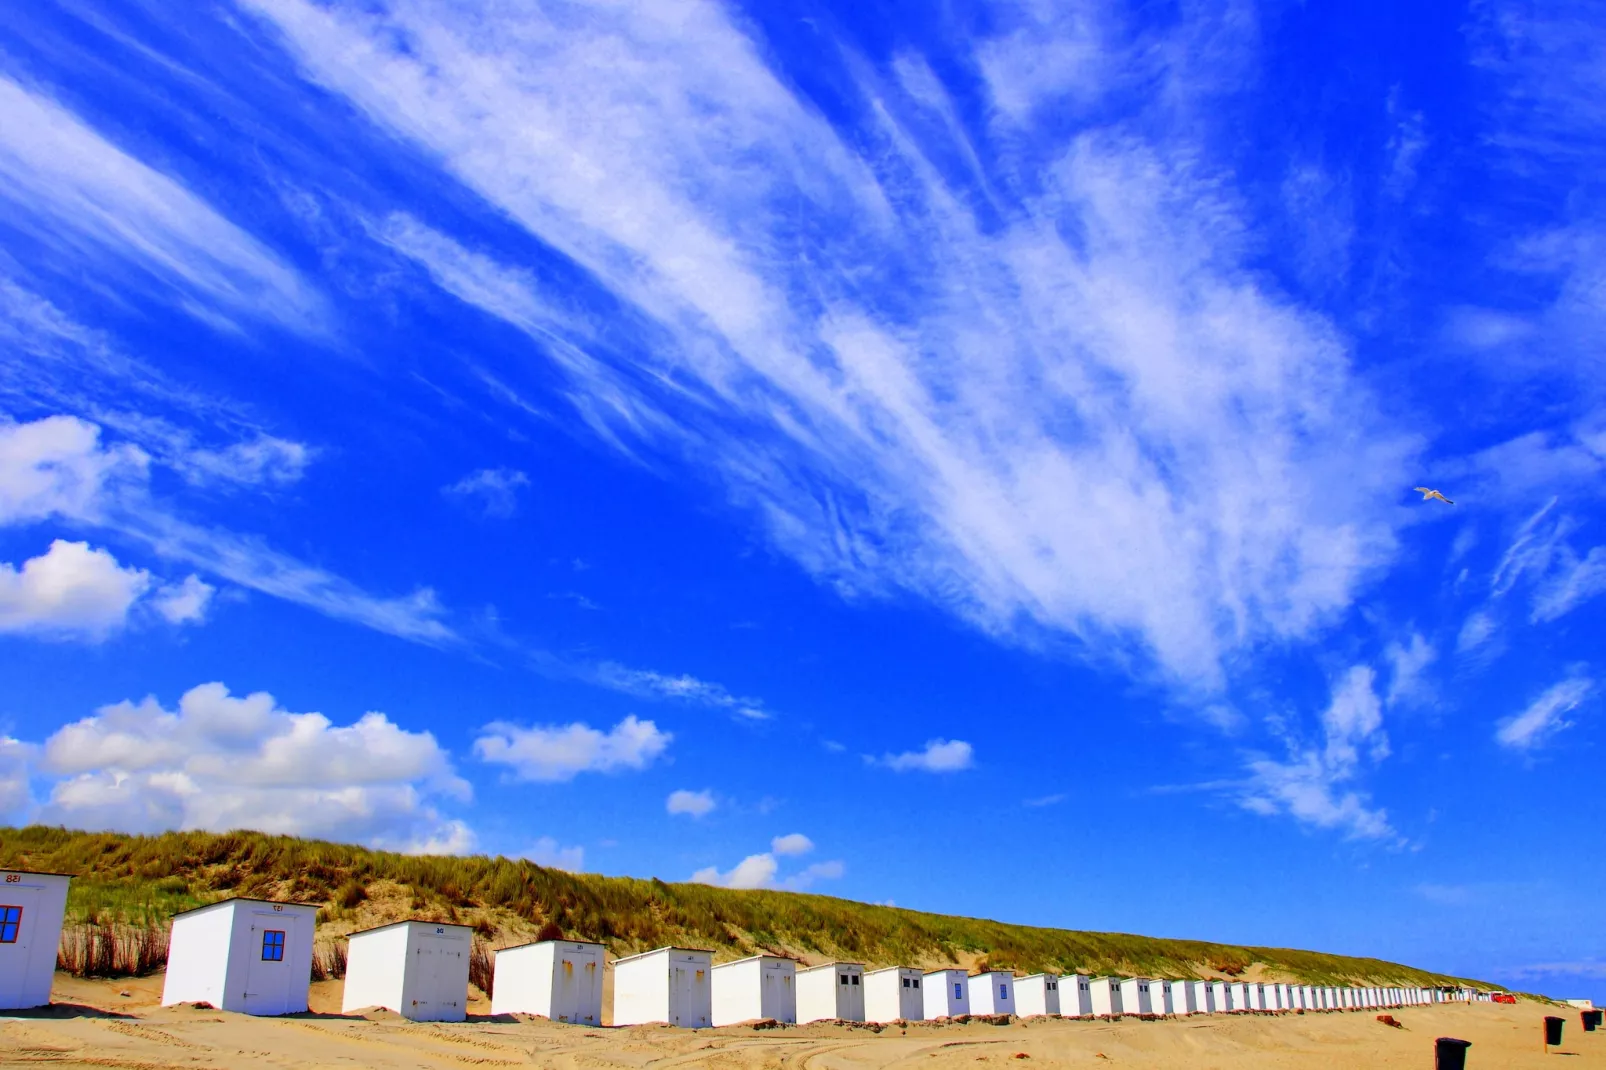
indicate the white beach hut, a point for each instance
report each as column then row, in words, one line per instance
column 669, row 985
column 834, row 991
column 893, row 995
column 1105, row 996
column 947, row 994
column 1161, row 998
column 1257, row 997
column 1220, row 997
column 1038, row 993
column 759, row 986
column 1238, row 994
column 561, row 980
column 1076, row 995
column 419, row 969
column 1202, row 996
column 252, row 956
column 992, row 993
column 1182, row 998
column 1135, row 996
column 32, row 908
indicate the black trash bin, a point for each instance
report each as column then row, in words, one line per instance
column 1552, row 1032
column 1588, row 1019
column 1450, row 1053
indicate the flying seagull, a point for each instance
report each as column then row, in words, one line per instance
column 1426, row 494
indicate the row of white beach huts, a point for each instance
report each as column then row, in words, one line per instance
column 255, row 956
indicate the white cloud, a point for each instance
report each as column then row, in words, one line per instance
column 224, row 762
column 1544, row 717
column 16, row 758
column 1090, row 413
column 264, row 459
column 645, row 683
column 448, row 838
column 184, row 603
column 57, row 467
column 762, row 870
column 794, row 843
column 496, row 490
column 1531, row 550
column 1407, row 662
column 63, row 179
column 547, row 852
column 561, row 752
column 1477, row 629
column 754, row 871
column 810, row 875
column 1312, row 785
column 1578, row 582
column 938, row 756
column 694, row 803
column 70, row 591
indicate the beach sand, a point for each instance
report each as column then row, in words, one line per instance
column 93, row 1024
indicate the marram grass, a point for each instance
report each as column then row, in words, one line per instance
column 140, row 880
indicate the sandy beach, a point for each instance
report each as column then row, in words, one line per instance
column 93, row 1024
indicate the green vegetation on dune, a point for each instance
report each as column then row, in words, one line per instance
column 138, row 880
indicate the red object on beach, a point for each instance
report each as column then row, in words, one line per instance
column 1388, row 1019
column 1504, row 997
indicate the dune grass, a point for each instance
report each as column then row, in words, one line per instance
column 140, row 880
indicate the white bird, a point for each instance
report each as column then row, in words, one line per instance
column 1426, row 494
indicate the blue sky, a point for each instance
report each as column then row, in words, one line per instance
column 957, row 454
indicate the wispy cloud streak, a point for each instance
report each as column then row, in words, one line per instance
column 1090, row 419
column 73, row 186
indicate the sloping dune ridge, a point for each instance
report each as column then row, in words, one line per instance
column 139, row 881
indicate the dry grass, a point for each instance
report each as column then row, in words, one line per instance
column 141, row 880
column 107, row 949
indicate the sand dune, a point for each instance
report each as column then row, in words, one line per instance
column 95, row 1025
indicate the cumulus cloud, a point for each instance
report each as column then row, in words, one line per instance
column 794, row 843
column 57, row 467
column 763, row 870
column 70, row 591
column 15, row 796
column 754, row 871
column 813, row 874
column 1313, row 784
column 221, row 761
column 184, row 603
column 693, row 803
column 495, row 490
column 551, row 753
column 547, row 852
column 938, row 756
column 1545, row 716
